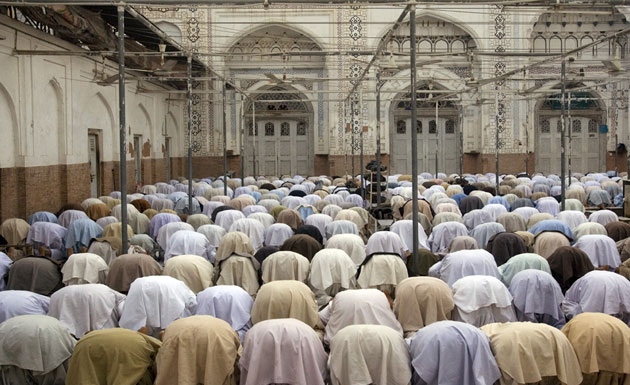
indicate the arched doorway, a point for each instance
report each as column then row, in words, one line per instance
column 437, row 133
column 288, row 111
column 586, row 146
column 282, row 143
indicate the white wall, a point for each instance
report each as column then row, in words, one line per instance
column 48, row 104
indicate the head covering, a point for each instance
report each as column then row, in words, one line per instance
column 332, row 270
column 602, row 346
column 264, row 252
column 467, row 262
column 126, row 268
column 618, row 230
column 599, row 291
column 386, row 242
column 196, row 272
column 234, row 243
column 549, row 241
column 382, row 271
column 229, row 303
column 81, row 268
column 379, row 356
column 290, row 217
column 601, row 250
column 286, row 299
column 14, row 303
column 434, row 346
column 350, row 243
column 463, row 242
column 568, row 264
column 522, row 262
column 36, row 274
column 49, row 235
column 113, row 356
column 285, row 265
column 480, row 300
column 311, row 231
column 354, row 307
column 537, row 298
column 37, row 343
column 198, row 350
column 470, row 203
column 512, row 222
column 286, row 341
column 254, row 230
column 527, row 352
column 589, row 228
column 155, row 302
column 15, row 230
column 302, row 244
column 421, row 301
column 84, row 308
column 66, row 218
column 184, row 242
column 42, row 216
column 442, row 235
column 485, row 231
column 504, row 246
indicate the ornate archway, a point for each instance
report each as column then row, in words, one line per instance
column 437, row 128
column 281, row 142
column 586, row 140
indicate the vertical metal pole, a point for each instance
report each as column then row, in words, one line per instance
column 527, row 139
column 189, row 101
column 255, row 133
column 352, row 134
column 496, row 136
column 224, row 145
column 562, row 137
column 414, row 136
column 242, row 140
column 628, row 144
column 122, row 120
column 361, row 153
column 437, row 137
column 460, row 136
column 570, row 140
column 378, row 138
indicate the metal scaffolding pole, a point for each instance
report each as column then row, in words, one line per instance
column 414, row 136
column 224, row 145
column 361, row 171
column 496, row 135
column 189, row 102
column 570, row 139
column 437, row 136
column 352, row 134
column 242, row 141
column 562, row 137
column 379, row 84
column 255, row 138
column 122, row 120
column 460, row 136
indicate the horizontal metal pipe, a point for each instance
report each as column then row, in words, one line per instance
column 338, row 2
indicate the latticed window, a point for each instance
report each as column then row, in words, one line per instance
column 432, row 127
column 401, row 127
column 279, row 101
column 301, row 128
column 450, row 127
column 418, row 127
column 285, row 129
column 545, row 126
column 250, row 129
column 559, row 125
column 592, row 126
column 270, row 129
column 576, row 126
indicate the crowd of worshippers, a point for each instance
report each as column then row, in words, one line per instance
column 292, row 281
